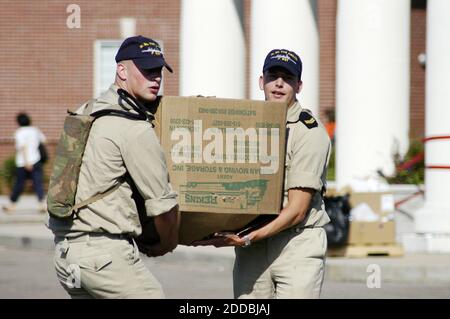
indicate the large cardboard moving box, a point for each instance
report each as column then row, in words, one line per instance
column 381, row 203
column 225, row 159
column 381, row 231
column 371, row 233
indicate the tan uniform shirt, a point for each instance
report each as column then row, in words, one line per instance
column 307, row 155
column 115, row 146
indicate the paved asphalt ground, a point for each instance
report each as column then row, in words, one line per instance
column 28, row 273
column 26, row 269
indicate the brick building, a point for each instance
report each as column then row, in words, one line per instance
column 49, row 67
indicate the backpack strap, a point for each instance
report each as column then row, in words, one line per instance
column 95, row 198
column 88, row 111
column 135, row 104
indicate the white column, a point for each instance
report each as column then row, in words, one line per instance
column 434, row 217
column 372, row 87
column 286, row 24
column 212, row 48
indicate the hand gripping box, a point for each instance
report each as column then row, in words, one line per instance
column 225, row 159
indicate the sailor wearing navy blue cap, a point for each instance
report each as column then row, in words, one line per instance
column 285, row 258
column 144, row 52
column 139, row 67
column 97, row 254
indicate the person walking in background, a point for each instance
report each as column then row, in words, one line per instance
column 28, row 162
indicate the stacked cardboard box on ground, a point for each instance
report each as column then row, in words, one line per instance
column 374, row 237
column 225, row 159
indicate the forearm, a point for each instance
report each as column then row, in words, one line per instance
column 167, row 226
column 287, row 218
column 293, row 214
column 299, row 200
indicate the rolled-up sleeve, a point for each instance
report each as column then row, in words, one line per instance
column 157, row 206
column 146, row 164
column 309, row 158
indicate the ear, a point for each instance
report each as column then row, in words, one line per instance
column 121, row 71
column 299, row 87
column 261, row 83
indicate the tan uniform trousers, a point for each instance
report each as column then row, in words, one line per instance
column 103, row 267
column 288, row 265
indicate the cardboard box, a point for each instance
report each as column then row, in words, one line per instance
column 361, row 232
column 381, row 203
column 371, row 233
column 225, row 159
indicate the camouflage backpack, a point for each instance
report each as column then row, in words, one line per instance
column 69, row 154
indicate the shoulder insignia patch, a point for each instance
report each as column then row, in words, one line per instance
column 307, row 119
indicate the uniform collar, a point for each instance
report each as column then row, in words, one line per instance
column 111, row 97
column 293, row 112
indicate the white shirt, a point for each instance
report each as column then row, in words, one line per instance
column 28, row 137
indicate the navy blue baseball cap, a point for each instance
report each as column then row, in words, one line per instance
column 286, row 59
column 145, row 53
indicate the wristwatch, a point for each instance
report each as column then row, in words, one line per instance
column 247, row 241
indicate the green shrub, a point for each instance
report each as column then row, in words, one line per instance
column 2, row 181
column 9, row 172
column 416, row 173
column 331, row 172
column 8, row 177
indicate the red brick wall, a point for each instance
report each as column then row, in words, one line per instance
column 48, row 68
column 418, row 39
column 326, row 10
column 247, row 34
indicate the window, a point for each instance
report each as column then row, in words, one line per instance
column 105, row 65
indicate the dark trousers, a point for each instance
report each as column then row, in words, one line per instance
column 22, row 175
